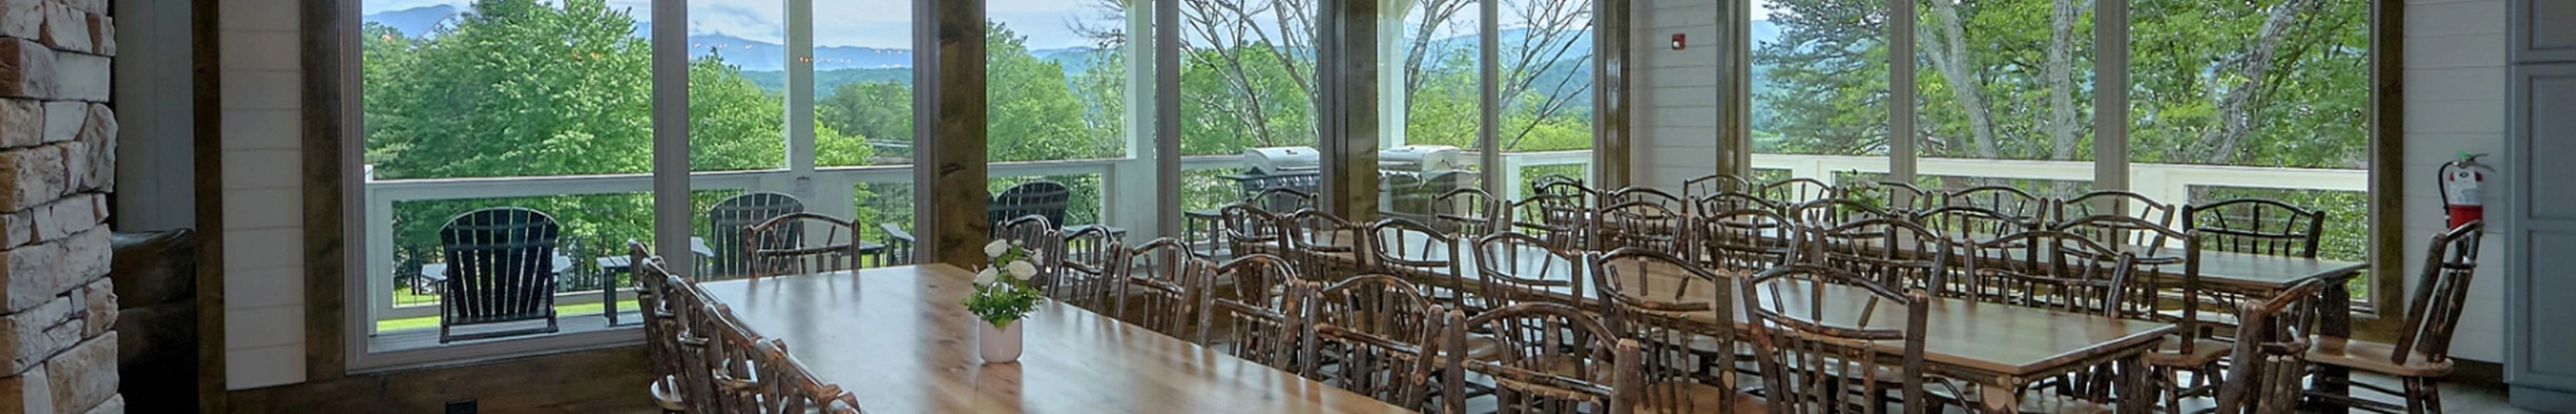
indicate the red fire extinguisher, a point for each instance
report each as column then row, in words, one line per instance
column 2460, row 192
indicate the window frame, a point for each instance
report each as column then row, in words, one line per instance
column 2385, row 273
column 1153, row 141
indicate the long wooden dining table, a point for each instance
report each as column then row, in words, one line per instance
column 1997, row 348
column 899, row 339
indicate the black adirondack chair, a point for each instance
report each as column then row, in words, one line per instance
column 500, row 269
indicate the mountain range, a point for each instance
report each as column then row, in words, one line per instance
column 751, row 55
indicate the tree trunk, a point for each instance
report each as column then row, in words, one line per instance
column 2060, row 70
column 2234, row 116
column 1950, row 56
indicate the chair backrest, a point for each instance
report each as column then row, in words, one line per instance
column 1796, row 190
column 2012, row 202
column 2119, row 230
column 1040, row 237
column 2270, row 359
column 2257, row 226
column 1894, row 252
column 1559, row 184
column 2151, row 265
column 1711, row 184
column 1734, row 200
column 1815, row 352
column 1653, row 297
column 1514, row 268
column 1892, row 195
column 785, row 386
column 1834, row 212
column 500, row 266
column 2053, row 270
column 1561, row 220
column 2440, row 295
column 1282, row 200
column 1745, row 238
column 1253, row 278
column 1325, row 246
column 1163, row 287
column 1646, row 195
column 1264, row 330
column 726, row 220
column 1644, row 225
column 785, row 245
column 693, row 334
column 1553, row 358
column 1406, row 247
column 655, row 285
column 898, row 245
column 1248, row 228
column 727, row 357
column 1972, row 224
column 1380, row 334
column 1039, row 198
column 1089, row 279
column 1469, row 212
column 2115, row 203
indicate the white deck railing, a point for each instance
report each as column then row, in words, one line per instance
column 2170, row 183
column 1126, row 199
column 831, row 189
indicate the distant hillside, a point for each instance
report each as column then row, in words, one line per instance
column 414, row 21
column 751, row 55
column 826, row 80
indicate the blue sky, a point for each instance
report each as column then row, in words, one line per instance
column 870, row 23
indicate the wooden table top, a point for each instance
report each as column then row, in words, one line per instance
column 899, row 339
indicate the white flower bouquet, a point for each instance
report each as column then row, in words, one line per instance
column 1002, row 291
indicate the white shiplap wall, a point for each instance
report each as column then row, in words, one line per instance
column 263, row 193
column 2455, row 100
column 1675, row 91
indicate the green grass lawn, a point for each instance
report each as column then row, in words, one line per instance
column 431, row 322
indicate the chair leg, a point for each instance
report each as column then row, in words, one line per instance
column 2414, row 395
column 2173, row 387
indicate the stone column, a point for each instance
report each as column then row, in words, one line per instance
column 57, row 159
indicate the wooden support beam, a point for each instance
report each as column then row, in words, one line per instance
column 1349, row 116
column 1611, row 138
column 950, row 155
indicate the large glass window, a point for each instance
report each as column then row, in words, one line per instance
column 481, row 106
column 1819, row 86
column 2279, row 87
column 1247, row 81
column 546, row 105
column 2005, row 80
column 1547, row 71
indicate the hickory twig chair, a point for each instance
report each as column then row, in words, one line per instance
column 1514, row 268
column 1163, row 281
column 1683, row 315
column 1821, row 355
column 2422, row 354
column 1375, row 335
column 1552, row 358
column 787, row 244
column 2270, row 356
column 726, row 219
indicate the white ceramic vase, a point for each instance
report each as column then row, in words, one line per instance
column 998, row 345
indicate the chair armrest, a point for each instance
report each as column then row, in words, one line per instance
column 896, row 235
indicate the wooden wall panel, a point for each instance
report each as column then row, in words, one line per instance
column 598, row 381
